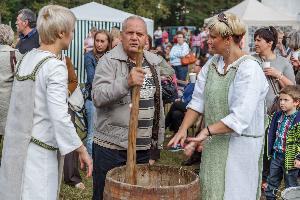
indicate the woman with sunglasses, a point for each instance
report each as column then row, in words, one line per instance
column 229, row 92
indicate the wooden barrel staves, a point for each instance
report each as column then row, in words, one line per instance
column 157, row 182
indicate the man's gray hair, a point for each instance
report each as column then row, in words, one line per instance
column 133, row 17
column 6, row 35
column 29, row 15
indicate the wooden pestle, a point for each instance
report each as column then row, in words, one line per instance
column 131, row 171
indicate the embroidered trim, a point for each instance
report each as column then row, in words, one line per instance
column 31, row 76
column 222, row 75
column 234, row 67
column 42, row 144
column 252, row 136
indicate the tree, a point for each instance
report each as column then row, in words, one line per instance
column 163, row 12
column 153, row 9
column 193, row 12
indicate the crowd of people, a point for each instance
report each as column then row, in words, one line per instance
column 243, row 102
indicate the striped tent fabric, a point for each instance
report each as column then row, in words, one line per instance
column 75, row 51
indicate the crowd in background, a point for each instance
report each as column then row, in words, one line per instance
column 277, row 53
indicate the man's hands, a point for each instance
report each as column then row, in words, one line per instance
column 136, row 77
column 85, row 160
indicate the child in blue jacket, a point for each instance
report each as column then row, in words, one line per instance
column 284, row 142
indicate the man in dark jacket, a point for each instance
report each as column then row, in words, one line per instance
column 29, row 37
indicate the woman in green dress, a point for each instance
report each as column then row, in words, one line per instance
column 229, row 92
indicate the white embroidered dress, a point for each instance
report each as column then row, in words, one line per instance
column 51, row 125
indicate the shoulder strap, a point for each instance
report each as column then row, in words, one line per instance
column 13, row 61
column 273, row 85
column 214, row 60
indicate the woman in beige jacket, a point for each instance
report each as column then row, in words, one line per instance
column 8, row 56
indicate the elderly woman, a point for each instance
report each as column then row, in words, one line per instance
column 38, row 124
column 229, row 92
column 8, row 56
column 293, row 42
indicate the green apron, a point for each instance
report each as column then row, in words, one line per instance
column 216, row 107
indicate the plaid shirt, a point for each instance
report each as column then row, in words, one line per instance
column 283, row 126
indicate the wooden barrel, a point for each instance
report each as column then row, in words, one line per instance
column 157, row 182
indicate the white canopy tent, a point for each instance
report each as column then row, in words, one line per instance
column 101, row 17
column 256, row 15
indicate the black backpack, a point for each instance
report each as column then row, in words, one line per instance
column 169, row 91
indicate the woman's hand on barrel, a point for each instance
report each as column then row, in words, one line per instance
column 85, row 160
column 180, row 137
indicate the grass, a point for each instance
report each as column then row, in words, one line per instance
column 167, row 158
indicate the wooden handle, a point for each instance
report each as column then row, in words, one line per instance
column 130, row 176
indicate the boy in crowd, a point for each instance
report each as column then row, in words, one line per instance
column 284, row 142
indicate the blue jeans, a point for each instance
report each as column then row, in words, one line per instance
column 277, row 172
column 90, row 112
column 181, row 71
column 105, row 159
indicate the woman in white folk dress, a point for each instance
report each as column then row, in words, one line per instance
column 38, row 123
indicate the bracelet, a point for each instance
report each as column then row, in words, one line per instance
column 209, row 133
column 278, row 79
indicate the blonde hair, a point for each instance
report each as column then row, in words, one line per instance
column 115, row 33
column 279, row 31
column 232, row 26
column 6, row 35
column 53, row 20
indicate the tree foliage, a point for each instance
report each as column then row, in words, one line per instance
column 163, row 12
